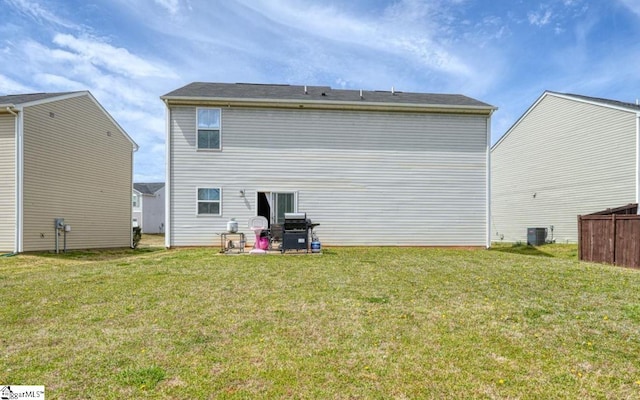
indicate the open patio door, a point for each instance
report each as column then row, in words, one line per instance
column 273, row 205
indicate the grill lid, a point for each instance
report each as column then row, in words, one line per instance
column 298, row 215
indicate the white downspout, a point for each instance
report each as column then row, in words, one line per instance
column 167, row 184
column 638, row 159
column 488, row 222
column 19, row 155
column 488, row 244
column 131, row 206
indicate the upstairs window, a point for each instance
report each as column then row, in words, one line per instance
column 208, row 201
column 209, row 137
column 135, row 201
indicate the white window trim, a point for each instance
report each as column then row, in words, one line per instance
column 219, row 128
column 219, row 201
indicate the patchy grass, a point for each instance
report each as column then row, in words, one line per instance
column 143, row 378
column 151, row 240
column 567, row 251
column 352, row 323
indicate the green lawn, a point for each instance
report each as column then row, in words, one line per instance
column 352, row 323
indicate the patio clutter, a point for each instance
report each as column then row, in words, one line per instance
column 260, row 226
column 295, row 234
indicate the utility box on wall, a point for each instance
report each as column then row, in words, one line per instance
column 536, row 236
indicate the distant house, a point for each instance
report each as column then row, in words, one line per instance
column 63, row 159
column 148, row 206
column 567, row 155
column 372, row 167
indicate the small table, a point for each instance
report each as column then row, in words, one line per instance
column 226, row 240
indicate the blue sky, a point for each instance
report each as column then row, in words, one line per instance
column 503, row 52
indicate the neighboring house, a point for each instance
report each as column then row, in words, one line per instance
column 371, row 167
column 148, row 206
column 63, row 156
column 567, row 155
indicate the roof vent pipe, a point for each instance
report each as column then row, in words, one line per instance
column 305, row 89
column 361, row 95
column 393, row 91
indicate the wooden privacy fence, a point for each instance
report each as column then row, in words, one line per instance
column 611, row 236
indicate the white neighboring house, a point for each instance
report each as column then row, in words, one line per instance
column 62, row 156
column 148, row 203
column 566, row 156
column 372, row 167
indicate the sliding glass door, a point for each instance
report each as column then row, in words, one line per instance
column 284, row 203
column 273, row 205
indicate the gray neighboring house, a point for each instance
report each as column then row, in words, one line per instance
column 372, row 167
column 567, row 155
column 148, row 206
column 63, row 156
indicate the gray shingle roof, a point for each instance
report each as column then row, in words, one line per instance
column 17, row 99
column 148, row 188
column 615, row 103
column 246, row 91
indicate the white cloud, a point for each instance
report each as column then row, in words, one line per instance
column 411, row 30
column 124, row 83
column 115, row 59
column 632, row 5
column 9, row 86
column 319, row 20
column 432, row 55
column 172, row 6
column 59, row 83
column 38, row 12
column 303, row 41
column 540, row 18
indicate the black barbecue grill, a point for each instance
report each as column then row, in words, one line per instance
column 295, row 232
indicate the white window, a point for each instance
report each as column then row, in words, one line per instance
column 209, row 130
column 135, row 201
column 209, row 201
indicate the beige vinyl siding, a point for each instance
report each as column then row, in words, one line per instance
column 577, row 158
column 77, row 166
column 369, row 178
column 7, row 183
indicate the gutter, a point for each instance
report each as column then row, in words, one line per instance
column 330, row 105
column 9, row 109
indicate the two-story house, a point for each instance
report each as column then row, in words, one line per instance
column 66, row 171
column 372, row 167
column 148, row 203
column 567, row 155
